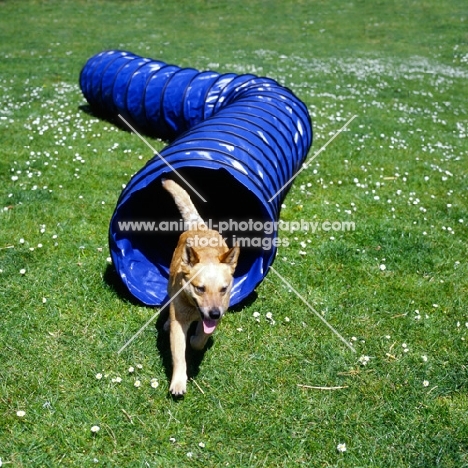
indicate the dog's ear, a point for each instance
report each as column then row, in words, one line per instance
column 190, row 256
column 230, row 257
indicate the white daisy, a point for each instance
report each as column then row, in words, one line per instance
column 341, row 447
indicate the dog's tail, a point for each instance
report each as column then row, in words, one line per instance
column 186, row 207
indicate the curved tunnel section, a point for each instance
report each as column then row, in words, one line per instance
column 236, row 140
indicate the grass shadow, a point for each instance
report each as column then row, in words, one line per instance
column 114, row 120
column 104, row 115
column 246, row 302
column 115, row 283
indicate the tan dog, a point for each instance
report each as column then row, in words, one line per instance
column 200, row 281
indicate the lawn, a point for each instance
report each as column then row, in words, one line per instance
column 276, row 387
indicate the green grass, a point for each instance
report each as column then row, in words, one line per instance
column 399, row 172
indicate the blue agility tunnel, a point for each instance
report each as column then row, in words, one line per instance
column 235, row 141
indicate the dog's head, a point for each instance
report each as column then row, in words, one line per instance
column 208, row 281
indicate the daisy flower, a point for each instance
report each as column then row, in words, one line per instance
column 364, row 360
column 341, row 448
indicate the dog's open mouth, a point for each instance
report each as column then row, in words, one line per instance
column 209, row 325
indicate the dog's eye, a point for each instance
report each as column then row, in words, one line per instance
column 223, row 290
column 199, row 289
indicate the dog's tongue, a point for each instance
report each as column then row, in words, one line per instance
column 209, row 326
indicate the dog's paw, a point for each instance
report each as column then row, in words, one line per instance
column 178, row 388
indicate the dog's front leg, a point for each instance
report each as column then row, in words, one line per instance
column 178, row 337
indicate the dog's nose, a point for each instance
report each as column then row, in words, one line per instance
column 214, row 313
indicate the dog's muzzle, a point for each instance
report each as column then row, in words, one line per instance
column 215, row 313
column 210, row 319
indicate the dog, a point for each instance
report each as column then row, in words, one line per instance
column 200, row 281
